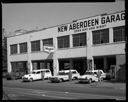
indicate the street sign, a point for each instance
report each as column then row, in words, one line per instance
column 48, row 49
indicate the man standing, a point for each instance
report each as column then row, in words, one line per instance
column 43, row 74
column 99, row 76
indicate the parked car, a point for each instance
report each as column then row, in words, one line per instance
column 88, row 77
column 91, row 76
column 37, row 75
column 14, row 75
column 103, row 75
column 63, row 75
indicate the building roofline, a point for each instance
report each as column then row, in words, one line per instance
column 32, row 31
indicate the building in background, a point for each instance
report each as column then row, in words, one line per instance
column 4, row 51
column 3, row 36
column 96, row 42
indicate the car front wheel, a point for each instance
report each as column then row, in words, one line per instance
column 31, row 79
column 90, row 81
column 61, row 80
column 75, row 78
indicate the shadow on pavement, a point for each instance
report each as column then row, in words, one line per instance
column 81, row 82
column 114, row 81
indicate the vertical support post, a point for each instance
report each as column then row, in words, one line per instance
column 89, row 52
column 55, row 59
column 110, row 35
column 70, row 73
column 18, row 48
column 8, row 57
column 29, row 55
column 9, row 67
column 41, row 45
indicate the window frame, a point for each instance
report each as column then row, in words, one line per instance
column 63, row 42
column 24, row 48
column 48, row 42
column 78, row 39
column 34, row 47
column 101, row 35
column 119, row 37
column 12, row 50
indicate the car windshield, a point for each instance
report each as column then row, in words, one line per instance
column 90, row 73
column 61, row 73
column 33, row 72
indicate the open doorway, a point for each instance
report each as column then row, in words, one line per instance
column 104, row 62
column 45, row 64
column 99, row 63
column 80, row 65
column 111, row 60
column 64, row 64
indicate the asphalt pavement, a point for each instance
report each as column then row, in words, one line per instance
column 64, row 90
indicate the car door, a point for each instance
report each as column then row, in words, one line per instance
column 95, row 78
column 74, row 74
column 38, row 75
column 47, row 74
column 102, row 74
column 66, row 76
column 95, row 74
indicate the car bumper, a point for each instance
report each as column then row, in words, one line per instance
column 25, row 79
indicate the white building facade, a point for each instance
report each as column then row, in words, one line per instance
column 96, row 42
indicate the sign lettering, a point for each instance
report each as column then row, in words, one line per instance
column 92, row 23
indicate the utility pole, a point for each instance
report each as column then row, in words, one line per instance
column 29, row 55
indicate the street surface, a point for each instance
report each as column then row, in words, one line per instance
column 45, row 90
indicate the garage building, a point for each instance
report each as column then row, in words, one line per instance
column 96, row 42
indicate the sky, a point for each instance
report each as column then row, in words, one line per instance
column 30, row 16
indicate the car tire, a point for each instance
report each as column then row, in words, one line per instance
column 75, row 78
column 90, row 81
column 61, row 80
column 31, row 79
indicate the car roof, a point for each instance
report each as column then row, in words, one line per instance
column 97, row 70
column 94, row 70
column 40, row 70
column 66, row 70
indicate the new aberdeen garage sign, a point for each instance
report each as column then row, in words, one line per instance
column 92, row 23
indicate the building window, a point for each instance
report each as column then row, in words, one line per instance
column 48, row 42
column 101, row 36
column 79, row 39
column 119, row 34
column 63, row 42
column 35, row 45
column 23, row 47
column 13, row 49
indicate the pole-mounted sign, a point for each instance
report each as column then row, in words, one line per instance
column 48, row 49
